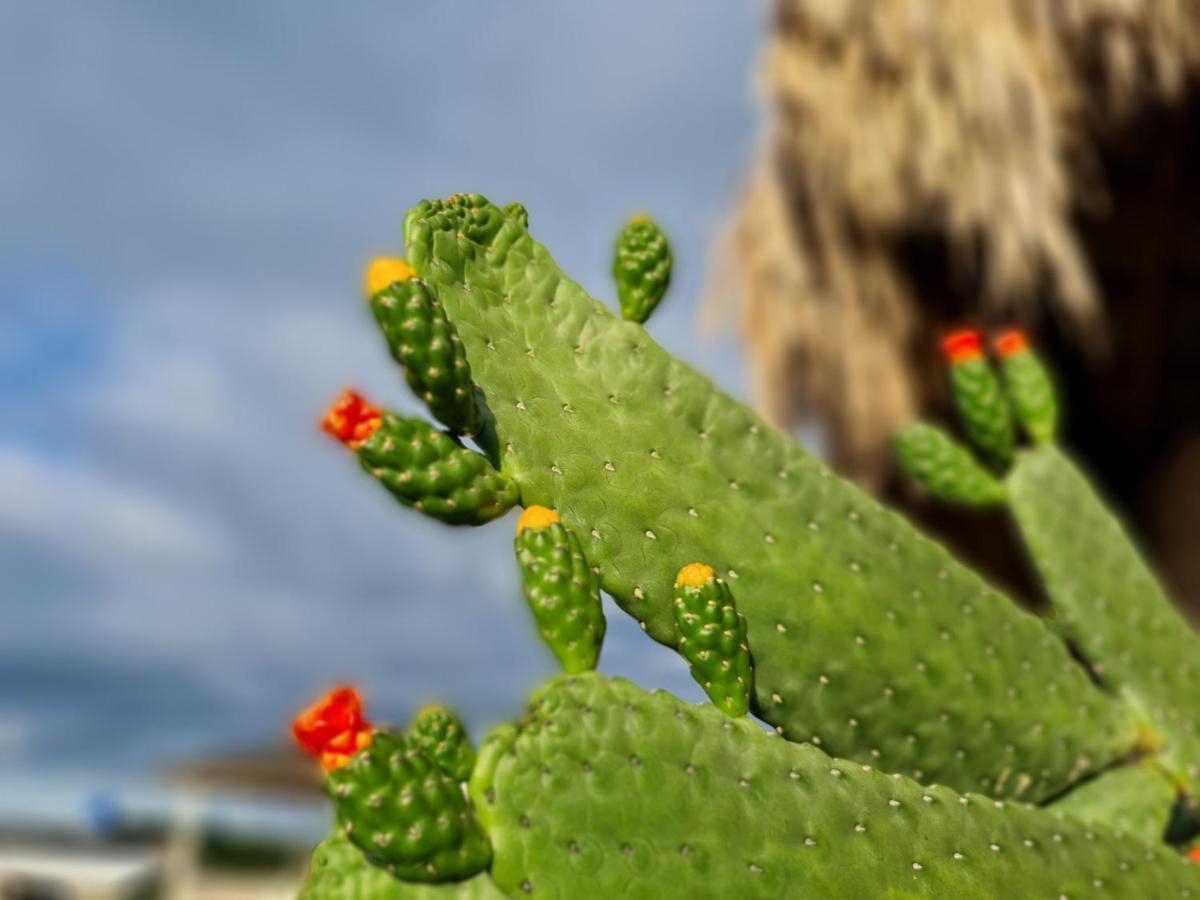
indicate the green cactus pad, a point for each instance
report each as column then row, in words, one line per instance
column 606, row 791
column 1136, row 800
column 1032, row 394
column 867, row 637
column 426, row 344
column 563, row 594
column 438, row 733
column 431, row 471
column 406, row 815
column 945, row 468
column 641, row 268
column 712, row 638
column 1108, row 602
column 339, row 871
column 983, row 410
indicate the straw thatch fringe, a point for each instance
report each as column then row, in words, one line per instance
column 970, row 120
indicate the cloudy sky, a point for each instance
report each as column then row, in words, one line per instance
column 190, row 191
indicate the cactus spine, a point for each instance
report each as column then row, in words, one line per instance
column 561, row 589
column 641, row 268
column 712, row 638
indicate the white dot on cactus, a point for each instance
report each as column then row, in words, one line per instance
column 917, row 867
column 769, row 538
column 958, row 855
column 780, row 627
column 894, row 803
column 817, row 588
column 813, row 526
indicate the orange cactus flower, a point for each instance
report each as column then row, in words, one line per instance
column 959, row 346
column 1010, row 342
column 351, row 419
column 333, row 729
column 1194, row 854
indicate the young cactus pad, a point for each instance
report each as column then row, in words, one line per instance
column 1028, row 386
column 982, row 406
column 946, row 468
column 712, row 638
column 438, row 733
column 641, row 268
column 867, row 637
column 604, row 790
column 421, row 466
column 561, row 589
column 425, row 343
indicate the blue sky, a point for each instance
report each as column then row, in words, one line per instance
column 189, row 193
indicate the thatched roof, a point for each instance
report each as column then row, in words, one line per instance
column 971, row 121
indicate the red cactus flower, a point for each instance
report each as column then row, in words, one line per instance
column 1010, row 342
column 1194, row 854
column 351, row 419
column 333, row 728
column 962, row 345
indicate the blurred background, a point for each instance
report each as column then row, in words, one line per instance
column 190, row 192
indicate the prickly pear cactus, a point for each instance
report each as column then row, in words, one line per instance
column 561, row 589
column 641, row 268
column 980, row 402
column 945, row 468
column 673, row 800
column 712, row 638
column 1107, row 602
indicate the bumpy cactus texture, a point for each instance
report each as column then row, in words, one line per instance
column 867, row 637
column 983, row 408
column 563, row 594
column 339, row 871
column 425, row 343
column 1029, row 387
column 1110, row 604
column 404, row 813
column 431, row 471
column 1134, row 800
column 438, row 733
column 641, row 268
column 712, row 638
column 945, row 468
column 676, row 800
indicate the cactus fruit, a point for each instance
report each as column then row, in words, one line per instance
column 421, row 466
column 980, row 402
column 438, row 733
column 712, row 638
column 946, row 468
column 427, row 346
column 604, row 790
column 338, row 870
column 641, row 268
column 561, row 589
column 395, row 804
column 1028, row 386
column 867, row 636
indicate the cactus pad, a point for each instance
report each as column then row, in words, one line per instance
column 867, row 637
column 561, row 589
column 1136, row 800
column 438, row 733
column 712, row 638
column 641, row 268
column 605, row 790
column 405, row 814
column 945, row 468
column 426, row 345
column 1028, row 386
column 982, row 406
column 1109, row 603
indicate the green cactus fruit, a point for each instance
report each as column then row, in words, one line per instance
column 867, row 636
column 561, row 589
column 427, row 345
column 338, row 870
column 945, row 468
column 1137, row 800
column 712, row 638
column 641, row 268
column 1109, row 603
column 405, row 814
column 438, row 733
column 1028, row 386
column 605, row 790
column 982, row 407
column 423, row 467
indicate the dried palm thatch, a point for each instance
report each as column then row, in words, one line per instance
column 972, row 121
